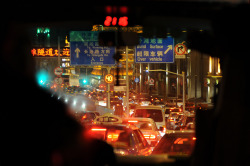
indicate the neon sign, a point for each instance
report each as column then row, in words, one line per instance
column 123, row 21
column 49, row 52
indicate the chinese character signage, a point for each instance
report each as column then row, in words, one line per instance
column 49, row 52
column 155, row 50
column 85, row 49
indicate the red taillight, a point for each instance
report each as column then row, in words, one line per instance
column 171, row 119
column 84, row 116
column 132, row 121
column 194, row 138
column 94, row 129
column 150, row 136
column 113, row 136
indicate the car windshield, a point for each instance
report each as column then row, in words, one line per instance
column 155, row 114
column 65, row 65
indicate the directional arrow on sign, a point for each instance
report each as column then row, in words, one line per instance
column 170, row 47
column 77, row 50
column 180, row 48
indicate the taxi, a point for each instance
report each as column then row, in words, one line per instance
column 147, row 127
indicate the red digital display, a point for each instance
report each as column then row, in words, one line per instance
column 123, row 21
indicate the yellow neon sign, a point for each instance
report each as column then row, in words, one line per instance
column 49, row 52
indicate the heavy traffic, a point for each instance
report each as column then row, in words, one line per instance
column 153, row 126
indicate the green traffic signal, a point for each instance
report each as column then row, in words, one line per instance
column 42, row 77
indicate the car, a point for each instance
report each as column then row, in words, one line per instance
column 168, row 110
column 132, row 108
column 115, row 100
column 176, row 143
column 187, row 118
column 118, row 110
column 145, row 103
column 154, row 112
column 147, row 127
column 174, row 103
column 190, row 126
column 125, row 139
column 85, row 117
column 158, row 102
column 173, row 120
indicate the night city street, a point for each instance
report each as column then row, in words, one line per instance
column 142, row 82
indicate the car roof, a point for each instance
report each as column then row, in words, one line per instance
column 140, row 119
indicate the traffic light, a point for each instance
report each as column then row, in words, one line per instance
column 42, row 77
column 84, row 81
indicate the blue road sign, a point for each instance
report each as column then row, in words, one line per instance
column 155, row 50
column 85, row 49
column 137, row 80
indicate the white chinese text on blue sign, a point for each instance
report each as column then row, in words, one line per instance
column 85, row 49
column 155, row 50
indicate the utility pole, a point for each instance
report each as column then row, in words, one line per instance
column 108, row 102
column 183, row 91
column 127, row 84
column 140, row 77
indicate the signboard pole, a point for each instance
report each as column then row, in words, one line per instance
column 140, row 76
column 127, row 84
column 108, row 102
column 184, row 91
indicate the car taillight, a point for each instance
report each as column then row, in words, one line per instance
column 98, row 129
column 164, row 129
column 84, row 117
column 150, row 136
column 113, row 136
column 132, row 121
